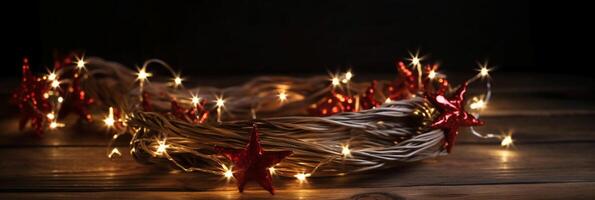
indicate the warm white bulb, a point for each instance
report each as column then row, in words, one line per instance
column 51, row 116
column 272, row 170
column 345, row 151
column 54, row 125
column 220, row 102
column 55, row 83
column 142, row 74
column 335, row 81
column 432, row 74
column 109, row 120
column 484, row 71
column 478, row 104
column 282, row 96
column 195, row 100
column 301, row 177
column 115, row 151
column 227, row 172
column 80, row 63
column 161, row 148
column 507, row 141
column 52, row 76
column 177, row 81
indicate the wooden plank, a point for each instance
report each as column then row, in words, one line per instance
column 87, row 169
column 504, row 191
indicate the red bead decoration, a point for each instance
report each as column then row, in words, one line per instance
column 368, row 101
column 252, row 162
column 335, row 103
column 453, row 116
column 78, row 100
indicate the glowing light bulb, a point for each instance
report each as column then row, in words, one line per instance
column 115, row 151
column 507, row 141
column 80, row 63
column 335, row 81
column 60, row 99
column 52, row 76
column 345, row 151
column 220, row 102
column 195, row 100
column 477, row 104
column 272, row 170
column 415, row 59
column 161, row 148
column 227, row 172
column 55, row 84
column 348, row 76
column 432, row 74
column 54, row 125
column 387, row 100
column 51, row 116
column 109, row 120
column 301, row 177
column 177, row 81
column 282, row 96
column 142, row 74
column 484, row 71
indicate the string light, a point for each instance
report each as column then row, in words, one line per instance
column 60, row 99
column 161, row 148
column 301, row 177
column 345, row 151
column 109, row 120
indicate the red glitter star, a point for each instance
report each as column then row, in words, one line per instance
column 252, row 163
column 453, row 116
column 31, row 100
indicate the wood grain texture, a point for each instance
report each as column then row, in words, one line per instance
column 551, row 116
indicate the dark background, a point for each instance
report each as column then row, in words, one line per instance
column 248, row 37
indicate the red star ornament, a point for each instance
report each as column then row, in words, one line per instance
column 253, row 163
column 453, row 116
column 31, row 100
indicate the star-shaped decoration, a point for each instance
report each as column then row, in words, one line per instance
column 31, row 97
column 253, row 163
column 453, row 116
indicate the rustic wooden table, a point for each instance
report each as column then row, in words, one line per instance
column 551, row 116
